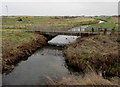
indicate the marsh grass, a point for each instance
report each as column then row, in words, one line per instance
column 98, row 52
column 91, row 79
column 11, row 38
column 109, row 24
column 17, row 46
column 28, row 22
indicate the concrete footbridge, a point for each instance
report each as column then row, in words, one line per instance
column 74, row 33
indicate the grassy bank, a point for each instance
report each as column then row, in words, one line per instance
column 45, row 22
column 18, row 45
column 99, row 53
column 90, row 79
column 110, row 23
column 11, row 39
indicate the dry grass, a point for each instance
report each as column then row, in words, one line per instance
column 11, row 39
column 90, row 78
column 94, row 53
column 17, row 45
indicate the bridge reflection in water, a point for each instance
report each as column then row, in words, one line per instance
column 61, row 40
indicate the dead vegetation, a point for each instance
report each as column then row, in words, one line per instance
column 97, row 56
column 22, row 51
column 90, row 79
column 99, row 53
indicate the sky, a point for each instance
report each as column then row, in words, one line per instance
column 60, row 0
column 59, row 7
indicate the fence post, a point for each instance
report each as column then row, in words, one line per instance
column 105, row 31
column 92, row 30
column 112, row 31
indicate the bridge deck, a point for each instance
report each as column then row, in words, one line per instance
column 68, row 33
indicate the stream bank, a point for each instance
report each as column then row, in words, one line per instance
column 22, row 51
column 95, row 53
column 46, row 61
column 50, row 59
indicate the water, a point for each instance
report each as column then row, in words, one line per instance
column 62, row 40
column 101, row 21
column 79, row 28
column 82, row 28
column 47, row 61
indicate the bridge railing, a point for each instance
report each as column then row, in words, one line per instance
column 60, row 30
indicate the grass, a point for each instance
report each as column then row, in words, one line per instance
column 109, row 24
column 13, row 23
column 18, row 45
column 98, row 52
column 11, row 39
column 61, row 23
column 90, row 79
column 43, row 21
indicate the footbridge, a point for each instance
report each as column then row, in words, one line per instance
column 75, row 33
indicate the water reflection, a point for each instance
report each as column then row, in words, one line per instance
column 61, row 40
column 80, row 28
column 48, row 61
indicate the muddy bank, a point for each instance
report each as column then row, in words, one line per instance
column 96, row 53
column 22, row 52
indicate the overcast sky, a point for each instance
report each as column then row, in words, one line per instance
column 60, row 0
column 60, row 7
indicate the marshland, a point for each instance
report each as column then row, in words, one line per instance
column 86, row 59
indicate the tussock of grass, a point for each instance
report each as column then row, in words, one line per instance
column 10, row 39
column 94, row 53
column 18, row 45
column 90, row 79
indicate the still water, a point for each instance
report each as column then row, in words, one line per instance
column 47, row 61
column 79, row 28
column 62, row 40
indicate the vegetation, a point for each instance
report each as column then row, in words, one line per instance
column 92, row 79
column 95, row 53
column 43, row 22
column 63, row 23
column 18, row 45
column 99, row 53
column 11, row 39
column 110, row 23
